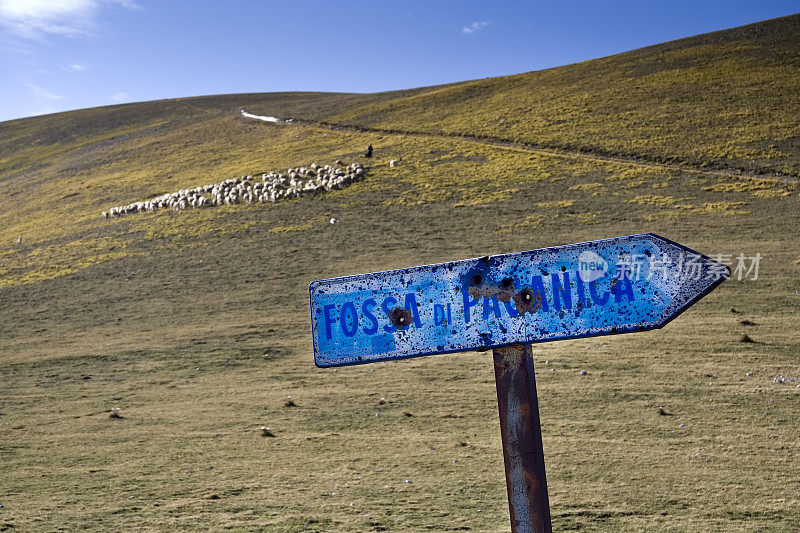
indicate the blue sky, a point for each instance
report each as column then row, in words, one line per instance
column 57, row 55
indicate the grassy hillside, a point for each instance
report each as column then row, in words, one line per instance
column 725, row 99
column 195, row 323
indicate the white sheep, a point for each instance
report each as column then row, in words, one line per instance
column 293, row 183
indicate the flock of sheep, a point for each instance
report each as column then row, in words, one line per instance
column 293, row 183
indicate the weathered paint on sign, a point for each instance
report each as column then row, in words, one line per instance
column 620, row 285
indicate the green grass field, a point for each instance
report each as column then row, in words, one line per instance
column 195, row 324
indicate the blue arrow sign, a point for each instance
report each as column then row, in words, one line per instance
column 620, row 285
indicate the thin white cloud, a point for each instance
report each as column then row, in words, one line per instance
column 44, row 109
column 32, row 19
column 76, row 66
column 35, row 19
column 45, row 101
column 475, row 26
column 40, row 93
column 129, row 4
column 119, row 97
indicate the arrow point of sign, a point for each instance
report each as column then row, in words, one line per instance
column 697, row 276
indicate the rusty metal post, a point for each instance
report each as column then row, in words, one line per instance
column 528, row 503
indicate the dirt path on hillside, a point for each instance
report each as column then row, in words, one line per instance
column 592, row 155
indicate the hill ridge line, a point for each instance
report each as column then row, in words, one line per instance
column 594, row 155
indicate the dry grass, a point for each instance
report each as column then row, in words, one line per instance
column 194, row 324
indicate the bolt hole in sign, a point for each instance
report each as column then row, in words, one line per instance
column 621, row 285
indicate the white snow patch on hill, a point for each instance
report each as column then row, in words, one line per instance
column 260, row 117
